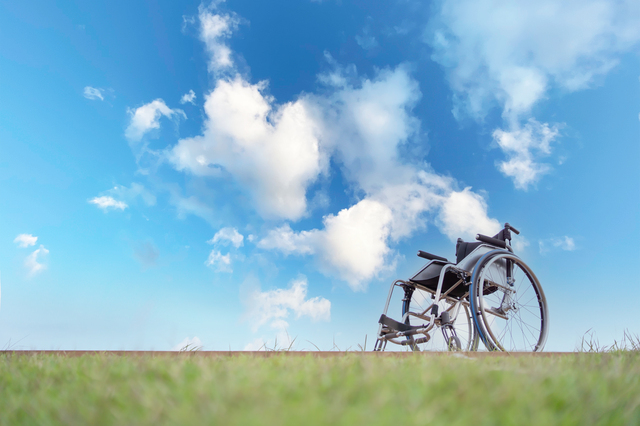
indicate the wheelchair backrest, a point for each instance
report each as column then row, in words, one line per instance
column 469, row 261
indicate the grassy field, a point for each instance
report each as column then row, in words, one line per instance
column 353, row 389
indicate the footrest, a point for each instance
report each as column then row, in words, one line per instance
column 395, row 325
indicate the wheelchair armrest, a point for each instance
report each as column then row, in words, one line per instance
column 429, row 256
column 493, row 241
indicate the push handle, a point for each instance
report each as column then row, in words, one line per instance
column 493, row 241
column 507, row 226
column 429, row 256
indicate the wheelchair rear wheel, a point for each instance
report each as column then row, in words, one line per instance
column 465, row 338
column 509, row 305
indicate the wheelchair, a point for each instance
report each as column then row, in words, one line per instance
column 488, row 295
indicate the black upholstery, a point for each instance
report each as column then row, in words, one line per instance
column 429, row 276
column 463, row 249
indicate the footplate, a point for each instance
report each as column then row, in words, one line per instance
column 398, row 326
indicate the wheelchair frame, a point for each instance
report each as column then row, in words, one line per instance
column 475, row 272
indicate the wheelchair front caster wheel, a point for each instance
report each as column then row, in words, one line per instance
column 454, row 344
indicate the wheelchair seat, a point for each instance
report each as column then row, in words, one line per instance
column 429, row 275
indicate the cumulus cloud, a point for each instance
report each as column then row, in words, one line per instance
column 93, row 93
column 230, row 235
column 34, row 263
column 563, row 243
column 214, row 29
column 523, row 146
column 106, row 203
column 272, row 150
column 464, row 214
column 352, row 244
column 276, row 151
column 188, row 97
column 219, row 262
column 275, row 306
column 363, row 126
column 512, row 54
column 147, row 118
column 25, row 240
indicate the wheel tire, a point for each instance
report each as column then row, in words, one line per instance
column 512, row 318
column 454, row 344
column 465, row 330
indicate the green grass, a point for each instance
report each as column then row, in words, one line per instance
column 353, row 389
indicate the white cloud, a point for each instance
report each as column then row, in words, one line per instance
column 147, row 118
column 352, row 245
column 227, row 234
column 366, row 41
column 519, row 243
column 105, row 203
column 188, row 97
column 288, row 242
column 364, row 126
column 276, row 151
column 32, row 262
column 25, row 240
column 523, row 147
column 513, row 53
column 191, row 204
column 131, row 193
column 273, row 151
column 355, row 244
column 93, row 93
column 219, row 262
column 563, row 243
column 188, row 344
column 464, row 214
column 275, row 306
column 214, row 29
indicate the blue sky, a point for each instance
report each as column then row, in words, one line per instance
column 231, row 173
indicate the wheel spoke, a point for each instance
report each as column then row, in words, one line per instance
column 525, row 307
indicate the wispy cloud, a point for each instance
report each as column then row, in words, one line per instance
column 512, row 54
column 361, row 123
column 275, row 306
column 188, row 97
column 147, row 118
column 93, row 93
column 33, row 261
column 355, row 244
column 523, row 147
column 563, row 243
column 132, row 193
column 108, row 203
column 365, row 39
column 25, row 240
column 214, row 29
column 219, row 262
column 228, row 234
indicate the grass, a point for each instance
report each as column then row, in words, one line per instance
column 590, row 343
column 351, row 389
